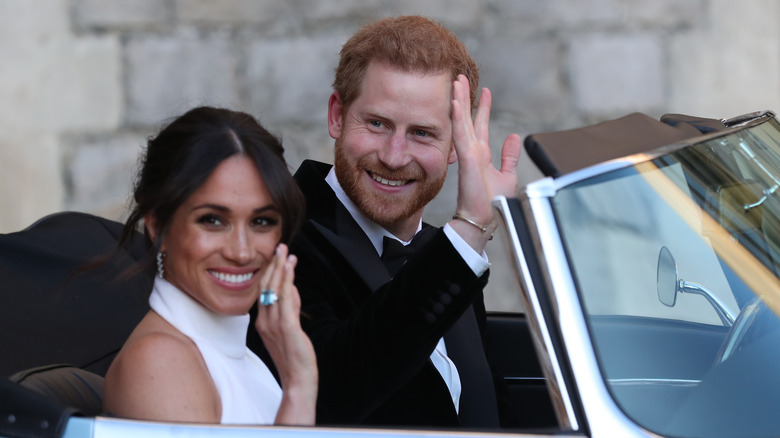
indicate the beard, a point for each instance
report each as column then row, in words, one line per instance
column 385, row 209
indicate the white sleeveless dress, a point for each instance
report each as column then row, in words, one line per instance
column 247, row 389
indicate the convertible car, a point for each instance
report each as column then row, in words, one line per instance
column 647, row 258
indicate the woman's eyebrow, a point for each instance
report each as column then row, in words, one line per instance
column 224, row 208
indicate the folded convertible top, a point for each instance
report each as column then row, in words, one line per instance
column 560, row 152
column 54, row 307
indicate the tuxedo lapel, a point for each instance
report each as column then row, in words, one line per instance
column 478, row 406
column 350, row 241
column 332, row 220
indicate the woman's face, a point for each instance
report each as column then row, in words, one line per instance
column 222, row 237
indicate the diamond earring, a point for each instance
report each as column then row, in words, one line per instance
column 160, row 268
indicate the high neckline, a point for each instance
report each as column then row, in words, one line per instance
column 226, row 333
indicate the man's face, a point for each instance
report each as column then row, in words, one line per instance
column 393, row 144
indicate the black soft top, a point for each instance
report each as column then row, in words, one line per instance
column 59, row 309
column 561, row 152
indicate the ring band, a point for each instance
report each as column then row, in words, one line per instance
column 268, row 297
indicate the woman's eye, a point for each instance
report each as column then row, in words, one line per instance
column 210, row 219
column 266, row 221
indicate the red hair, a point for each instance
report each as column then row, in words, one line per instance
column 407, row 43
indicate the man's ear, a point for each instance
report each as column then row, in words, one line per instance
column 453, row 155
column 335, row 115
column 150, row 223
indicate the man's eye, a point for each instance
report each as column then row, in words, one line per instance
column 376, row 123
column 421, row 133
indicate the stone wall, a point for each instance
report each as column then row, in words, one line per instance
column 84, row 82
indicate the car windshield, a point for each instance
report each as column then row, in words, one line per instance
column 676, row 259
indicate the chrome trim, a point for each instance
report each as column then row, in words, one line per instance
column 665, row 382
column 539, row 380
column 547, row 187
column 79, row 427
column 604, row 418
column 543, row 188
column 725, row 314
column 745, row 119
column 548, row 360
column 105, row 427
column 599, row 169
column 746, row 317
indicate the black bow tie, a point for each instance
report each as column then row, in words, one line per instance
column 395, row 253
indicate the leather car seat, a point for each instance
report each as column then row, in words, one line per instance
column 71, row 386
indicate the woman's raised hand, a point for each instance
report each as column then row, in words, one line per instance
column 291, row 350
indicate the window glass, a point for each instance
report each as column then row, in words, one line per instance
column 675, row 261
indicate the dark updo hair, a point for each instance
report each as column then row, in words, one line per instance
column 185, row 153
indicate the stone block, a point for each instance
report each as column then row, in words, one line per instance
column 516, row 18
column 617, row 73
column 230, row 11
column 330, row 10
column 502, row 125
column 724, row 70
column 455, row 14
column 121, row 15
column 578, row 13
column 84, row 93
column 101, row 171
column 167, row 75
column 22, row 21
column 31, row 177
column 290, row 79
column 501, row 293
column 305, row 141
column 665, row 13
column 524, row 77
column 52, row 81
column 625, row 14
column 440, row 210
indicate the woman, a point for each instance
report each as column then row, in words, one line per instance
column 218, row 204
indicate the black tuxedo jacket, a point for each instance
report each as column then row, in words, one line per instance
column 373, row 335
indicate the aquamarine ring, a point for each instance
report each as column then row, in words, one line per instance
column 268, row 297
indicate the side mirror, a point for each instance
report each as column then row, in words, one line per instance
column 667, row 279
column 669, row 285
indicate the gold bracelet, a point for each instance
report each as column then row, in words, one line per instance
column 469, row 221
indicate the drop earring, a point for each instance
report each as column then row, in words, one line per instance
column 160, row 268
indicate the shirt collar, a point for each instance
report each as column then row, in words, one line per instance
column 374, row 231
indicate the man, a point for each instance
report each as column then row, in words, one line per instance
column 401, row 347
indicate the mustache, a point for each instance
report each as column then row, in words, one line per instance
column 411, row 171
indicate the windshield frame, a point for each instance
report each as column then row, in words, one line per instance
column 588, row 389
